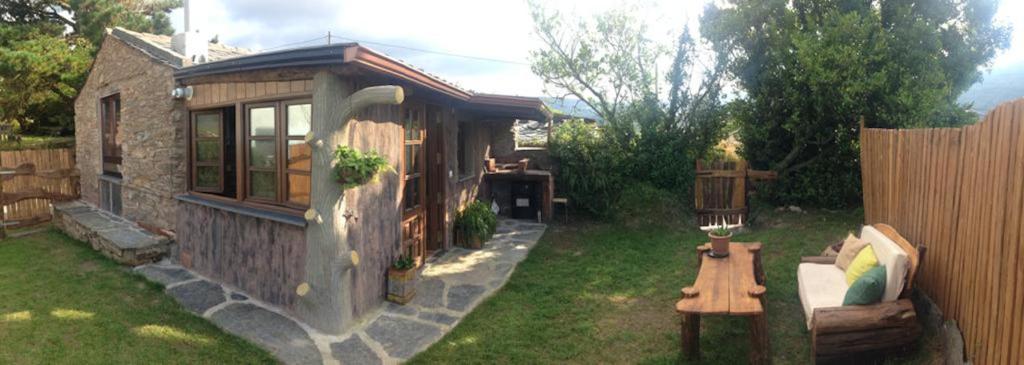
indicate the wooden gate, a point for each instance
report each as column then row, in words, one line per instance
column 721, row 192
column 30, row 180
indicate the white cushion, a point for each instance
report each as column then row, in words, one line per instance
column 820, row 286
column 891, row 256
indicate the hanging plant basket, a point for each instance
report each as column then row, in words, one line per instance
column 353, row 168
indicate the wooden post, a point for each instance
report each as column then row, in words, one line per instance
column 759, row 346
column 690, row 335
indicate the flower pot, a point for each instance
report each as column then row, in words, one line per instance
column 468, row 241
column 524, row 164
column 401, row 285
column 350, row 176
column 491, row 165
column 719, row 244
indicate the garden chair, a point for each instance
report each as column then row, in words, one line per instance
column 839, row 331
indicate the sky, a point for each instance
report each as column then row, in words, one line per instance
column 499, row 31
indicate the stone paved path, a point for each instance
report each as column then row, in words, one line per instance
column 450, row 286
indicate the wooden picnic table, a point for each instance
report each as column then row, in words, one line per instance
column 733, row 285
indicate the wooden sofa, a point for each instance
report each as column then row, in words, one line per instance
column 845, row 332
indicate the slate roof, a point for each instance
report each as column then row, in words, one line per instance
column 159, row 47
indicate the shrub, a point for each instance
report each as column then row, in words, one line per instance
column 590, row 166
column 353, row 168
column 477, row 221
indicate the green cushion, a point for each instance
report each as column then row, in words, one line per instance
column 868, row 289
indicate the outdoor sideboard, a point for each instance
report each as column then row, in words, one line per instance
column 734, row 286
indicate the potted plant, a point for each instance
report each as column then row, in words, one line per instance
column 353, row 168
column 402, row 280
column 720, row 237
column 475, row 225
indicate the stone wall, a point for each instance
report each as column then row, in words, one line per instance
column 153, row 132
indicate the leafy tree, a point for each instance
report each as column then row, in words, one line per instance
column 658, row 123
column 46, row 47
column 811, row 69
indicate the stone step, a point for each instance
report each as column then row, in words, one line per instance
column 113, row 236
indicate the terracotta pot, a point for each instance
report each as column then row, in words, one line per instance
column 401, row 285
column 524, row 164
column 720, row 244
column 468, row 241
column 491, row 165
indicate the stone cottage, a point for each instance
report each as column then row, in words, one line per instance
column 229, row 154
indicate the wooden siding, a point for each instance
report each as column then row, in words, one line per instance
column 960, row 192
column 262, row 257
column 374, row 230
column 466, row 189
column 229, row 93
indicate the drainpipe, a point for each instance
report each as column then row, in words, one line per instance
column 325, row 297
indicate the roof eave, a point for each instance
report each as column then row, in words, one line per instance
column 370, row 59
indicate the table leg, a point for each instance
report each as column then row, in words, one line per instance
column 690, row 332
column 759, row 347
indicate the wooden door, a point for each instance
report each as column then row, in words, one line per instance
column 414, row 183
column 436, row 178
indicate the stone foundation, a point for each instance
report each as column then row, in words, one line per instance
column 113, row 236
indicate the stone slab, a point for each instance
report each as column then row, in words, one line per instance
column 438, row 318
column 274, row 332
column 404, row 310
column 461, row 296
column 429, row 293
column 198, row 296
column 164, row 275
column 354, row 351
column 400, row 337
column 129, row 239
column 94, row 221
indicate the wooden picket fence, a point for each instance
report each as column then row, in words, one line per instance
column 960, row 192
column 721, row 191
column 30, row 180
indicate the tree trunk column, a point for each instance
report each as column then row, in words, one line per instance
column 324, row 304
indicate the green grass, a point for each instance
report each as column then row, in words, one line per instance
column 605, row 293
column 61, row 302
column 37, row 142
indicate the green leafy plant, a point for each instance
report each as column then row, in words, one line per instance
column 477, row 221
column 720, row 231
column 353, row 168
column 404, row 262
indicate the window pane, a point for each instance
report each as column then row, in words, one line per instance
column 207, row 176
column 299, row 119
column 299, row 155
column 261, row 121
column 298, row 189
column 412, row 124
column 208, row 126
column 263, row 184
column 412, row 193
column 261, row 154
column 208, row 151
column 412, row 159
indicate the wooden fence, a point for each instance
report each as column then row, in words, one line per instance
column 721, row 189
column 31, row 179
column 960, row 192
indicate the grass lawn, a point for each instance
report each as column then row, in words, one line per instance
column 61, row 302
column 606, row 293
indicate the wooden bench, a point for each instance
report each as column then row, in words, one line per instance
column 732, row 285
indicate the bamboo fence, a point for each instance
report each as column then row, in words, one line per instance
column 960, row 192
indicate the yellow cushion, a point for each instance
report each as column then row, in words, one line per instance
column 864, row 261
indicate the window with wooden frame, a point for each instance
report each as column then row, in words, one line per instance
column 278, row 161
column 413, row 125
column 273, row 161
column 465, row 170
column 208, row 151
column 110, row 125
